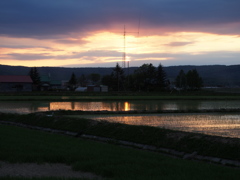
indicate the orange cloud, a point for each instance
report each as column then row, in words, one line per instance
column 105, row 47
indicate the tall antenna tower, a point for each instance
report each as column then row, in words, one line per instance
column 125, row 62
column 124, row 48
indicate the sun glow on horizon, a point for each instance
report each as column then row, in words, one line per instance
column 107, row 47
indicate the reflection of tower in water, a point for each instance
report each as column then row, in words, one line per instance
column 73, row 106
column 127, row 106
column 120, row 106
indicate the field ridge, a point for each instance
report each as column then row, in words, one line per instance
column 180, row 154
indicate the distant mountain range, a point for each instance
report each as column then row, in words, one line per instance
column 212, row 75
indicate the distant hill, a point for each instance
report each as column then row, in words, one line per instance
column 56, row 73
column 213, row 75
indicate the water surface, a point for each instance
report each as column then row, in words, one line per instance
column 219, row 124
column 213, row 123
column 147, row 105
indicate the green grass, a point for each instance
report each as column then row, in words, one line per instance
column 38, row 178
column 227, row 148
column 89, row 96
column 103, row 98
column 109, row 161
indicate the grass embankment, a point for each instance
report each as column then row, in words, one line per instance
column 107, row 160
column 90, row 96
column 227, row 148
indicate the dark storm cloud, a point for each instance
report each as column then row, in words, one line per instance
column 53, row 18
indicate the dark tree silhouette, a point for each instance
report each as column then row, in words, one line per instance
column 82, row 80
column 34, row 75
column 115, row 81
column 181, row 80
column 94, row 77
column 118, row 78
column 161, row 78
column 72, row 82
column 191, row 80
column 194, row 81
column 145, row 77
column 107, row 81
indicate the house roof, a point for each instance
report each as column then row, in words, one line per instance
column 15, row 79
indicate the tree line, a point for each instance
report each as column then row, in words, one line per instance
column 146, row 78
column 191, row 80
column 73, row 82
column 150, row 78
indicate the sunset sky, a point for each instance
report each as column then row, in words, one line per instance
column 89, row 33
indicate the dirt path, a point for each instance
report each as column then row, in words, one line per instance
column 41, row 170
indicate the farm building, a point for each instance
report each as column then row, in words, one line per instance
column 48, row 84
column 15, row 83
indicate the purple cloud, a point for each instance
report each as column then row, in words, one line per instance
column 48, row 19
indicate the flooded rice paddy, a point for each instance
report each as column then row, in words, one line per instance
column 135, row 105
column 220, row 124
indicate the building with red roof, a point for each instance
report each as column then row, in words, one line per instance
column 15, row 83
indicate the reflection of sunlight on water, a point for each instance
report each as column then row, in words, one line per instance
column 20, row 107
column 60, row 105
column 213, row 124
column 17, row 110
column 43, row 109
column 126, row 106
column 151, row 105
column 90, row 106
